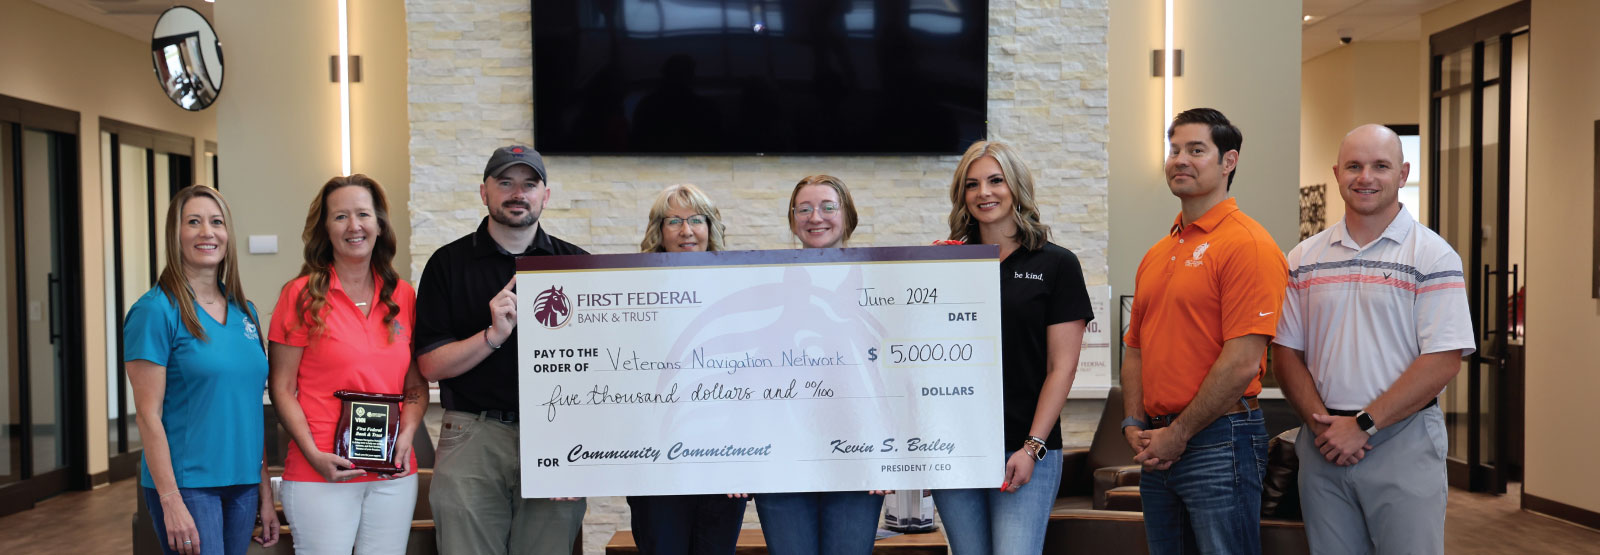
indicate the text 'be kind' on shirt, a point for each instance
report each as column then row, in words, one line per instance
column 1038, row 289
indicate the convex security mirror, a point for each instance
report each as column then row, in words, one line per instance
column 188, row 58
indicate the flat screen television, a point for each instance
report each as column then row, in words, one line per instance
column 759, row 76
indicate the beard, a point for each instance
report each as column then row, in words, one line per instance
column 503, row 216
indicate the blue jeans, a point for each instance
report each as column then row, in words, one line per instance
column 989, row 521
column 815, row 523
column 224, row 517
column 686, row 524
column 1210, row 500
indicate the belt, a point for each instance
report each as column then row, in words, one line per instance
column 1335, row 412
column 505, row 416
column 1246, row 404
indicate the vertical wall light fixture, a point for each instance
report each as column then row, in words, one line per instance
column 1166, row 78
column 344, row 83
column 1166, row 63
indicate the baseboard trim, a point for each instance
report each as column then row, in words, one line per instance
column 1563, row 511
column 99, row 479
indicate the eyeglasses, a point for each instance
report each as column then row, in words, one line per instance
column 696, row 220
column 804, row 211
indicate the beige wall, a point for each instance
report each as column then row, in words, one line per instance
column 1240, row 57
column 1563, row 319
column 55, row 59
column 1364, row 82
column 279, row 122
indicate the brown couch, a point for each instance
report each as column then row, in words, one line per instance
column 1087, row 473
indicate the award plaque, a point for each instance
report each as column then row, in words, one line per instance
column 368, row 424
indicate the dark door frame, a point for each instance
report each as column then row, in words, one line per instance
column 1487, row 294
column 66, row 294
column 124, row 462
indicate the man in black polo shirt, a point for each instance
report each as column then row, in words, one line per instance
column 465, row 339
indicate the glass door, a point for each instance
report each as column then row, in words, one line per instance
column 42, row 446
column 1473, row 85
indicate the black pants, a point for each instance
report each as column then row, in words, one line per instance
column 686, row 524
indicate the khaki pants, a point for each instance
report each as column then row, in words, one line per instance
column 477, row 495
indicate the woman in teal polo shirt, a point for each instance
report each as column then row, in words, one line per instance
column 194, row 356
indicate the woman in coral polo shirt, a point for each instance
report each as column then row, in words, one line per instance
column 345, row 324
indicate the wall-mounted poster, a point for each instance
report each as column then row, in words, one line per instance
column 1094, row 359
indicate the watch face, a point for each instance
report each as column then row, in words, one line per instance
column 1364, row 421
column 1038, row 452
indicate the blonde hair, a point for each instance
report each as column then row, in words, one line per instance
column 845, row 202
column 688, row 196
column 174, row 279
column 318, row 264
column 1032, row 234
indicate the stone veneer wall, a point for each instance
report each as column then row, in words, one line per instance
column 470, row 90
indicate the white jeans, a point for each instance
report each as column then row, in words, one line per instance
column 368, row 517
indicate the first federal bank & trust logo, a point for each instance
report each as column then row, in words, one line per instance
column 555, row 308
column 552, row 308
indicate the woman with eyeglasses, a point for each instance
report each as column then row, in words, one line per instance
column 683, row 219
column 821, row 215
column 1044, row 307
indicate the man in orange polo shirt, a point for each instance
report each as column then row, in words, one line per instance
column 1205, row 304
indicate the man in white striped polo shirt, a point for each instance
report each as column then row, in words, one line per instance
column 1374, row 324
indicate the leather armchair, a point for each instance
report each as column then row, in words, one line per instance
column 1088, row 473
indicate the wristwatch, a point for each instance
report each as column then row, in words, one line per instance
column 1035, row 447
column 1364, row 421
column 1135, row 422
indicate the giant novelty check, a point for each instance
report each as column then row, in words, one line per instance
column 760, row 371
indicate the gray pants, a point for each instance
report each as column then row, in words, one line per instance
column 477, row 495
column 1393, row 501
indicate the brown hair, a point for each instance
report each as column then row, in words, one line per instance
column 1223, row 133
column 174, row 279
column 688, row 196
column 1031, row 232
column 845, row 202
column 318, row 265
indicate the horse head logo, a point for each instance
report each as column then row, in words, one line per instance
column 551, row 308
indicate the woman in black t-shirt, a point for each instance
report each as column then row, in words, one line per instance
column 1044, row 307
